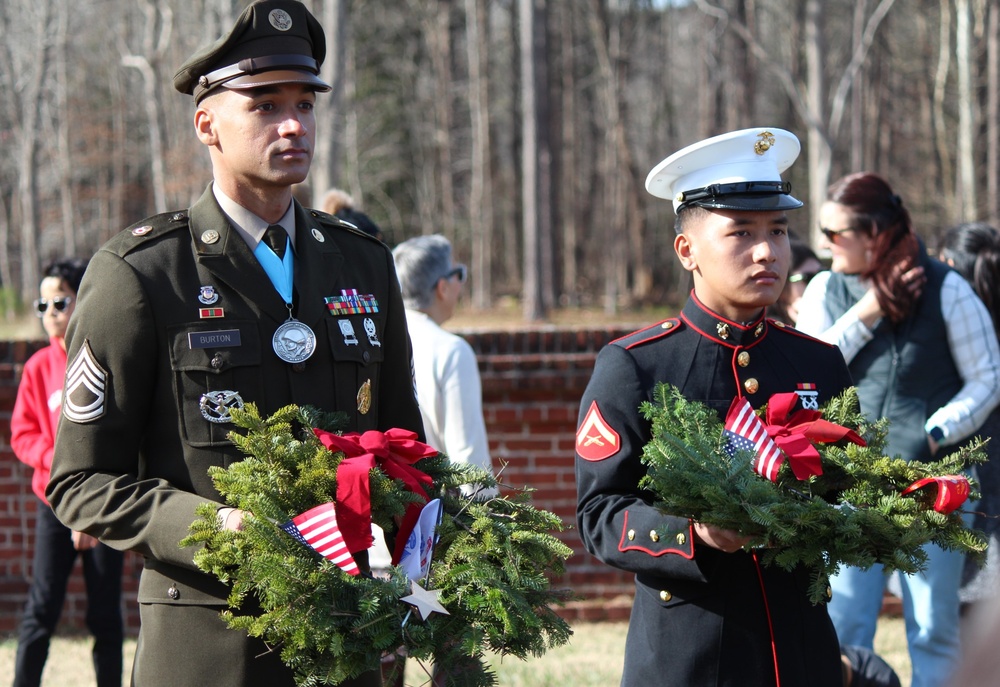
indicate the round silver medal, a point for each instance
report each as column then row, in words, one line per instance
column 294, row 342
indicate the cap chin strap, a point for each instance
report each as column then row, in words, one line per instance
column 253, row 65
column 717, row 192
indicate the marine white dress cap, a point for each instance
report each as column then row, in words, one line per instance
column 740, row 170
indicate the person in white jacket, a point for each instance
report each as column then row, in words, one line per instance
column 446, row 373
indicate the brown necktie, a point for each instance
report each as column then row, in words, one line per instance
column 276, row 238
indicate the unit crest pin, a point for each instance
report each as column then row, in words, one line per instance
column 208, row 295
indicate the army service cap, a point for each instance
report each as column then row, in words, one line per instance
column 272, row 42
column 740, row 170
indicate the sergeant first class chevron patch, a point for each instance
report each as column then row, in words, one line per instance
column 86, row 384
column 596, row 440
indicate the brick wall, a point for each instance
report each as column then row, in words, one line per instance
column 532, row 384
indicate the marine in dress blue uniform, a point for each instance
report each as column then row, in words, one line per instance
column 704, row 616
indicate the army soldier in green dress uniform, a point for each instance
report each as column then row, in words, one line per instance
column 705, row 613
column 245, row 297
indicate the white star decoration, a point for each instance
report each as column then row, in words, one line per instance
column 425, row 601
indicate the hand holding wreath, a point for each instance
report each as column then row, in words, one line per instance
column 836, row 500
column 490, row 568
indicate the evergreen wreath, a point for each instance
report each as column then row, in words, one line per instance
column 491, row 564
column 854, row 513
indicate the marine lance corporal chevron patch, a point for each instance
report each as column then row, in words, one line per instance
column 86, row 382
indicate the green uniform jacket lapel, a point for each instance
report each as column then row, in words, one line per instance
column 229, row 258
column 318, row 265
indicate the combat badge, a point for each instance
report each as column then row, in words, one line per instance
column 86, row 384
column 217, row 406
column 372, row 332
column 596, row 440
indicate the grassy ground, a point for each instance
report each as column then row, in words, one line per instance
column 593, row 658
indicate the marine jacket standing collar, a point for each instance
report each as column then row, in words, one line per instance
column 723, row 331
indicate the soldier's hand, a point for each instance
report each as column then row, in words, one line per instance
column 727, row 541
column 83, row 542
column 231, row 519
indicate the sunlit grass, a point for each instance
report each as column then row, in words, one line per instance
column 592, row 658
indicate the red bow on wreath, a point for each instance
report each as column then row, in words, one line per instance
column 794, row 433
column 952, row 491
column 394, row 452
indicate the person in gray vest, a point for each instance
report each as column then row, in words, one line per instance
column 921, row 349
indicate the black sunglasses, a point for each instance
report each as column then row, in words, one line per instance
column 832, row 235
column 459, row 271
column 60, row 304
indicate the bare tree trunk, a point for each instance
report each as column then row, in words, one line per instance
column 27, row 183
column 570, row 209
column 156, row 40
column 857, row 93
column 820, row 152
column 966, row 182
column 532, row 29
column 992, row 210
column 942, row 137
column 326, row 165
column 64, row 148
column 481, row 182
column 438, row 37
column 5, row 273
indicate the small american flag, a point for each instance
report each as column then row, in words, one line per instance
column 745, row 432
column 317, row 529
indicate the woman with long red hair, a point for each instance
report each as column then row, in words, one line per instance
column 922, row 351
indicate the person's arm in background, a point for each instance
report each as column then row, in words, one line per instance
column 850, row 332
column 462, row 401
column 31, row 437
column 976, row 353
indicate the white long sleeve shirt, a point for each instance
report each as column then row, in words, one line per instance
column 449, row 392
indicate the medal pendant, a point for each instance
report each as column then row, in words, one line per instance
column 294, row 342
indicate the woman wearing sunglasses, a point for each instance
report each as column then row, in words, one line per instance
column 922, row 351
column 33, row 430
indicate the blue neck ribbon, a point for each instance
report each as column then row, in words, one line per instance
column 279, row 270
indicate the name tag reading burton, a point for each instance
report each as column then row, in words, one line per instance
column 221, row 338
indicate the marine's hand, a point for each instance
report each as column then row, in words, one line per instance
column 83, row 542
column 718, row 538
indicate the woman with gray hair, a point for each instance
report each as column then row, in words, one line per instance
column 446, row 374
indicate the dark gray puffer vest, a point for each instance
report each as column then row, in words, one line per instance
column 906, row 372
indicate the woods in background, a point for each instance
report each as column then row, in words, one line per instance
column 520, row 129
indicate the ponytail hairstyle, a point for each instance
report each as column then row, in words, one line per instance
column 973, row 249
column 877, row 212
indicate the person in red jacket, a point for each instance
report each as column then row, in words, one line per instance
column 33, row 432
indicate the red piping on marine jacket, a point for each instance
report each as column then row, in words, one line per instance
column 770, row 625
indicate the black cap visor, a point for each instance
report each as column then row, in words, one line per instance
column 743, row 195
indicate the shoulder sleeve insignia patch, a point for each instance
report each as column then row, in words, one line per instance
column 596, row 440
column 86, row 384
